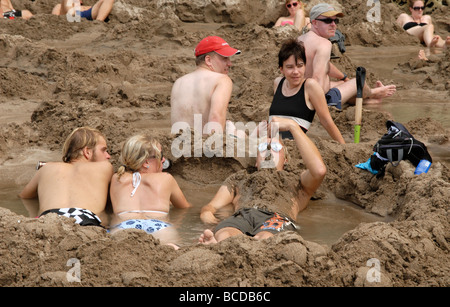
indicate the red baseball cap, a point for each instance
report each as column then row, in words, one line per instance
column 217, row 44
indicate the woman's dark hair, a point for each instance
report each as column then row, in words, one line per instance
column 291, row 47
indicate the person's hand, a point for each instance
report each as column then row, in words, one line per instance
column 284, row 124
column 208, row 218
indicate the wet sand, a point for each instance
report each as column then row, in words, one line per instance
column 117, row 77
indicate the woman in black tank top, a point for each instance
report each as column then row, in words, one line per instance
column 298, row 98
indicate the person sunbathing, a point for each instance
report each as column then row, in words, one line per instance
column 296, row 17
column 141, row 194
column 421, row 26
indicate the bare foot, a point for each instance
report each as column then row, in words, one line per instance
column 175, row 247
column 434, row 41
column 422, row 55
column 207, row 237
column 381, row 91
column 447, row 42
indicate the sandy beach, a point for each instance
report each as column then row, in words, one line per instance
column 117, row 76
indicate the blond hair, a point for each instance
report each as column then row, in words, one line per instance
column 135, row 151
column 77, row 140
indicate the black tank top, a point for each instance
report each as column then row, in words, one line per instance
column 293, row 107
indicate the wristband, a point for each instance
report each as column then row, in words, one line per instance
column 345, row 77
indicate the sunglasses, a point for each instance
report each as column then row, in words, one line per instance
column 272, row 146
column 418, row 8
column 290, row 5
column 329, row 20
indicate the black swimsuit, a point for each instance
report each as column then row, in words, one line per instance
column 413, row 24
column 293, row 107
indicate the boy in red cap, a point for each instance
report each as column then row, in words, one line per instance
column 207, row 90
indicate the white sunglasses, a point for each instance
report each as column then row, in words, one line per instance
column 272, row 146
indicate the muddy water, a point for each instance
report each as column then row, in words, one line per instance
column 323, row 221
column 409, row 102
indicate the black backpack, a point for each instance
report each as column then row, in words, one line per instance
column 396, row 145
column 339, row 39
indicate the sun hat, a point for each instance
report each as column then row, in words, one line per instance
column 323, row 9
column 217, row 44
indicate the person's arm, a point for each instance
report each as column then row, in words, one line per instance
column 222, row 198
column 31, row 189
column 219, row 101
column 317, row 98
column 315, row 171
column 177, row 197
column 275, row 84
column 401, row 19
column 6, row 6
column 300, row 18
column 65, row 7
column 427, row 19
column 321, row 63
column 337, row 74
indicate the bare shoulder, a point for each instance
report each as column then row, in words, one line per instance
column 427, row 18
column 311, row 84
column 222, row 81
column 103, row 166
column 106, row 164
column 54, row 167
column 209, row 76
column 163, row 177
column 314, row 41
column 402, row 18
column 49, row 165
column 183, row 78
column 222, row 77
column 322, row 41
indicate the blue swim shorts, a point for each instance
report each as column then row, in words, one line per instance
column 87, row 14
column 334, row 98
column 148, row 225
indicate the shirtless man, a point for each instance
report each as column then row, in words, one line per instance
column 258, row 214
column 8, row 11
column 78, row 186
column 99, row 11
column 318, row 49
column 207, row 90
